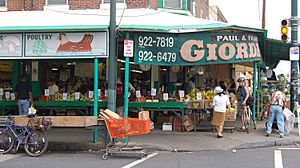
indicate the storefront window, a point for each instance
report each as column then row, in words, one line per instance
column 6, row 75
column 172, row 4
column 57, row 2
column 2, row 3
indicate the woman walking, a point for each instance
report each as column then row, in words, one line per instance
column 220, row 102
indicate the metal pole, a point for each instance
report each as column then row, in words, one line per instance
column 254, row 91
column 126, row 87
column 294, row 64
column 95, row 133
column 263, row 24
column 112, row 58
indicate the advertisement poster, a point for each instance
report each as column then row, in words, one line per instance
column 10, row 45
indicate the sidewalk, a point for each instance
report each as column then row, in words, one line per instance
column 80, row 139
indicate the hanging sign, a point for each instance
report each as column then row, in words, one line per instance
column 294, row 53
column 66, row 45
column 195, row 48
column 128, row 48
column 11, row 45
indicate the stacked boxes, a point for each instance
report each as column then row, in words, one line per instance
column 230, row 116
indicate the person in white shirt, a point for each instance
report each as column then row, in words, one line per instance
column 53, row 89
column 220, row 102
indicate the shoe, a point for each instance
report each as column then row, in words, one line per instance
column 280, row 136
column 267, row 134
column 219, row 136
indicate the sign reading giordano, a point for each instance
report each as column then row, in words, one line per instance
column 66, row 45
column 196, row 48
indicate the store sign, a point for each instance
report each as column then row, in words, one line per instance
column 294, row 53
column 66, row 45
column 128, row 48
column 195, row 48
column 11, row 45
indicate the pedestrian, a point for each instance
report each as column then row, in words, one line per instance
column 222, row 84
column 24, row 95
column 277, row 106
column 242, row 94
column 220, row 102
column 232, row 86
column 53, row 89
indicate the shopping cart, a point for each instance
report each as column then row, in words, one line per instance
column 119, row 128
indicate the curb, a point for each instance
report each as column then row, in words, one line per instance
column 267, row 144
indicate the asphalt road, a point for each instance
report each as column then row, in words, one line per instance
column 287, row 157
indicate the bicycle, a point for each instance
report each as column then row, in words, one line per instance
column 31, row 136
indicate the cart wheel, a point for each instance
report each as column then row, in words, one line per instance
column 105, row 157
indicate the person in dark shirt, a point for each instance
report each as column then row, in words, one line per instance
column 24, row 95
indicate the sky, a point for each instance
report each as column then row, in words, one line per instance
column 249, row 13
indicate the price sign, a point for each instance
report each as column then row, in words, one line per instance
column 105, row 93
column 165, row 96
column 138, row 94
column 77, row 95
column 46, row 92
column 181, row 93
column 12, row 96
column 1, row 91
column 99, row 92
column 91, row 94
column 7, row 95
column 153, row 92
column 199, row 96
column 65, row 96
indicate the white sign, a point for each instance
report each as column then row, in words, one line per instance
column 105, row 93
column 138, row 94
column 65, row 96
column 181, row 93
column 165, row 96
column 66, row 45
column 12, row 96
column 294, row 53
column 1, row 91
column 199, row 96
column 99, row 92
column 11, row 45
column 153, row 92
column 128, row 48
column 7, row 95
column 77, row 95
column 46, row 92
column 91, row 94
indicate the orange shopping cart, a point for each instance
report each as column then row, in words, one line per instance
column 119, row 128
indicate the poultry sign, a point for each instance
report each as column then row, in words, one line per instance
column 62, row 45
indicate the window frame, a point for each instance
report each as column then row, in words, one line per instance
column 47, row 3
column 181, row 5
column 5, row 4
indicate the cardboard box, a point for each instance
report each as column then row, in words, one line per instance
column 160, row 120
column 208, row 103
column 230, row 117
column 188, row 123
column 176, row 124
column 167, row 126
column 144, row 115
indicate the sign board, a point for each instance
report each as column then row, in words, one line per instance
column 294, row 53
column 153, row 92
column 65, row 96
column 11, row 45
column 46, row 92
column 128, row 48
column 66, row 45
column 91, row 94
column 166, row 96
column 201, row 48
column 1, row 92
column 77, row 95
column 138, row 94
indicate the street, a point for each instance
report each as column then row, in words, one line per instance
column 271, row 157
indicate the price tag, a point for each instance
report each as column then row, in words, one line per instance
column 91, row 94
column 153, row 92
column 181, row 93
column 7, row 95
column 1, row 92
column 138, row 94
column 165, row 96
column 12, row 96
column 99, row 92
column 77, row 95
column 199, row 96
column 105, row 93
column 46, row 92
column 65, row 96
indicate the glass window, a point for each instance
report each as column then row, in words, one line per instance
column 57, row 2
column 172, row 3
column 2, row 3
column 117, row 1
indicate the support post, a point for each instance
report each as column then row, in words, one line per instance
column 254, row 91
column 95, row 133
column 259, row 90
column 112, row 58
column 294, row 64
column 126, row 87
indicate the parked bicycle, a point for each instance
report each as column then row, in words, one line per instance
column 31, row 136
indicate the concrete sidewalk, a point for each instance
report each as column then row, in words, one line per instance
column 80, row 139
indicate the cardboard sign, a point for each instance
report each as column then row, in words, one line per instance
column 181, row 93
column 138, row 94
column 153, row 92
column 165, row 96
column 65, row 96
column 91, row 94
column 12, row 96
column 199, row 96
column 1, row 92
column 46, row 92
column 77, row 95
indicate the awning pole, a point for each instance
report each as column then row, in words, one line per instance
column 95, row 133
column 254, row 91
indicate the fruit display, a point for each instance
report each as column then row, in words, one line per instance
column 192, row 96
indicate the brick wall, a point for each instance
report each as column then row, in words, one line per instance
column 136, row 3
column 14, row 5
column 84, row 4
column 153, row 4
column 202, row 9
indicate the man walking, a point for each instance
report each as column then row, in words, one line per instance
column 24, row 95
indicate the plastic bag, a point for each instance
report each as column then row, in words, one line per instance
column 289, row 120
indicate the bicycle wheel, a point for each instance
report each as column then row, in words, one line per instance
column 7, row 141
column 36, row 143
